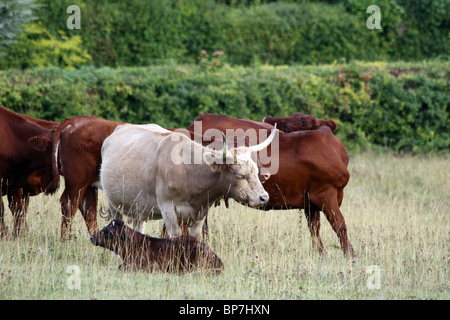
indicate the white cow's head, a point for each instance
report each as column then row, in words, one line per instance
column 239, row 171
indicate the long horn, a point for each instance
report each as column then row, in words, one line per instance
column 224, row 148
column 265, row 143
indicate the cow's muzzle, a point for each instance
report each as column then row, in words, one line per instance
column 264, row 198
column 259, row 200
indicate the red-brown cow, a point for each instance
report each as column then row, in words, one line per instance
column 312, row 175
column 299, row 122
column 76, row 154
column 25, row 159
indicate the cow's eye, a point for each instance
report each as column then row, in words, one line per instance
column 240, row 176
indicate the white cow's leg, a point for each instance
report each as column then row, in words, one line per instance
column 196, row 229
column 170, row 220
column 139, row 225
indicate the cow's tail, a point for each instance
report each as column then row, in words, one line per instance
column 54, row 185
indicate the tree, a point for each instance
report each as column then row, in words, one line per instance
column 13, row 16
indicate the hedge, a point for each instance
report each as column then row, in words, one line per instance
column 401, row 106
column 148, row 32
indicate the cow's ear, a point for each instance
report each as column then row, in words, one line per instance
column 333, row 126
column 39, row 143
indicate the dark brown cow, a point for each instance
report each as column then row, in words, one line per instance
column 312, row 174
column 299, row 122
column 77, row 144
column 142, row 252
column 25, row 158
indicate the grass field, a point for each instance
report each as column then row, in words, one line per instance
column 398, row 219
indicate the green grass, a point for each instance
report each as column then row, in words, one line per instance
column 397, row 214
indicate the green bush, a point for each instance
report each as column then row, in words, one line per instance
column 37, row 47
column 402, row 106
column 152, row 32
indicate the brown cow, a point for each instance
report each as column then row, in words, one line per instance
column 76, row 154
column 142, row 252
column 312, row 175
column 25, row 149
column 18, row 199
column 299, row 122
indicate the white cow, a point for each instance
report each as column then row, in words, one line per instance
column 143, row 176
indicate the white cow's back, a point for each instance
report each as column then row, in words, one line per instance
column 127, row 175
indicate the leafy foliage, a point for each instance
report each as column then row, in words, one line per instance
column 402, row 106
column 152, row 32
column 37, row 47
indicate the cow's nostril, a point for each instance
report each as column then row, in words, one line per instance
column 264, row 198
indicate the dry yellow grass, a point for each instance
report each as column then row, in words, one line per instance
column 397, row 214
